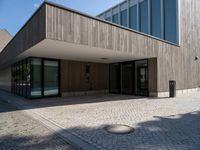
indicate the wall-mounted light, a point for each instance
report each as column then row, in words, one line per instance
column 197, row 58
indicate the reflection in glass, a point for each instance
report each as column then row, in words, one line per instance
column 28, row 78
column 170, row 19
column 51, row 78
column 144, row 16
column 141, row 77
column 24, row 77
column 108, row 19
column 115, row 19
column 133, row 17
column 36, row 90
column 156, row 18
column 17, row 79
column 124, row 18
column 20, row 79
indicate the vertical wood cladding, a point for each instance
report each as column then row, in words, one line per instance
column 152, row 73
column 83, row 76
column 32, row 33
column 173, row 62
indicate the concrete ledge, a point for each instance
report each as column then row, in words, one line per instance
column 84, row 93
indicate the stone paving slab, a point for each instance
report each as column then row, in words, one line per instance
column 159, row 123
column 19, row 131
column 26, row 106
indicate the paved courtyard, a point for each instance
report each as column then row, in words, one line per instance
column 21, row 132
column 165, row 124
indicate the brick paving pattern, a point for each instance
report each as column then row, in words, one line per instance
column 165, row 124
column 20, row 132
column 161, row 124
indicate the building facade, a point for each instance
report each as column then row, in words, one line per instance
column 159, row 18
column 134, row 48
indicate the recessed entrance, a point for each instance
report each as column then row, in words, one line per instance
column 129, row 78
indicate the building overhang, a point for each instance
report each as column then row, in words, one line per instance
column 69, row 51
column 58, row 32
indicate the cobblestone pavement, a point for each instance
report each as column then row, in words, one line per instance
column 165, row 124
column 20, row 132
column 160, row 124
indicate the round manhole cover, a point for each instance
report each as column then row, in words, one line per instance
column 119, row 129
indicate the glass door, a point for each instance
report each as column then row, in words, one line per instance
column 142, row 86
column 51, row 78
column 115, row 78
column 36, row 78
column 127, row 78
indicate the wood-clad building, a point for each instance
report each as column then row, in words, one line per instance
column 60, row 51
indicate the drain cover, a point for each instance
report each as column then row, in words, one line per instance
column 119, row 129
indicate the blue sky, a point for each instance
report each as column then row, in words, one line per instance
column 14, row 13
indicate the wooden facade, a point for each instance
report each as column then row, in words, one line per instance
column 84, row 76
column 173, row 62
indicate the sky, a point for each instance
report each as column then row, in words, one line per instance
column 14, row 13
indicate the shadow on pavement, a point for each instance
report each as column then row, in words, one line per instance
column 180, row 132
column 59, row 101
column 16, row 142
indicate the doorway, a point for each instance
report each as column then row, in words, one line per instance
column 129, row 78
column 142, row 86
column 51, row 78
column 141, row 77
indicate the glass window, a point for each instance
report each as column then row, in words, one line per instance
column 12, row 78
column 36, row 88
column 170, row 20
column 51, row 77
column 115, row 19
column 32, row 80
column 108, row 19
column 20, row 78
column 141, row 77
column 127, row 78
column 144, row 16
column 28, row 78
column 156, row 18
column 17, row 79
column 123, row 15
column 14, row 88
column 24, row 77
column 133, row 17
